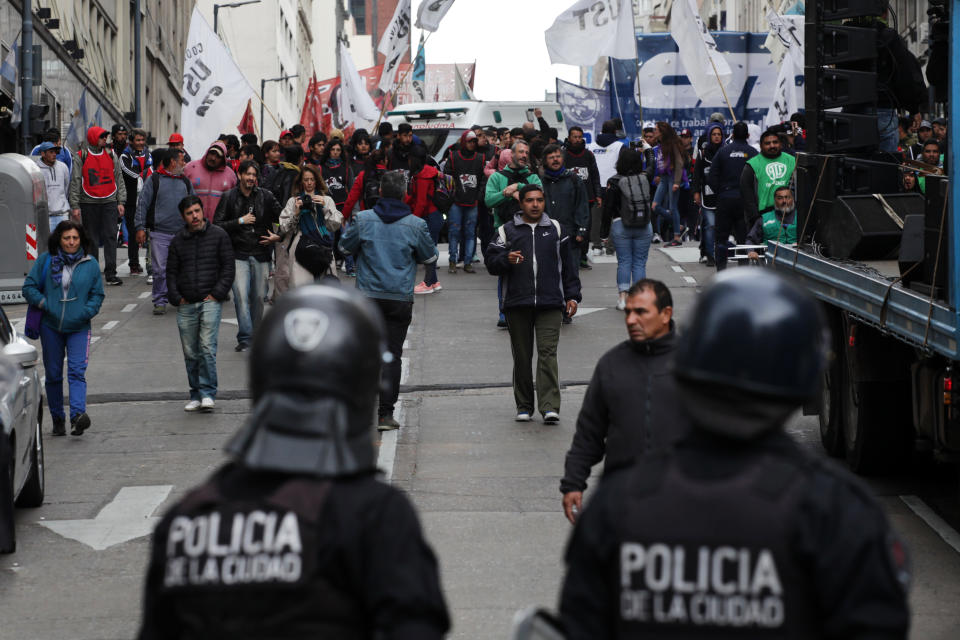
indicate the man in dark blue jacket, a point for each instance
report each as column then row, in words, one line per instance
column 724, row 180
column 540, row 283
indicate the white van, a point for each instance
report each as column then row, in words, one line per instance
column 440, row 124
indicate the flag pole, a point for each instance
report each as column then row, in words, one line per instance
column 636, row 61
column 722, row 90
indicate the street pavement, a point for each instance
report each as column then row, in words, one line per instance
column 486, row 487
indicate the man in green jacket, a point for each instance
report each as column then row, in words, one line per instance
column 763, row 174
column 503, row 188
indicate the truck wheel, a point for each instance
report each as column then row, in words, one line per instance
column 831, row 393
column 874, row 426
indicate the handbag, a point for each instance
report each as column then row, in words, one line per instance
column 31, row 327
column 313, row 256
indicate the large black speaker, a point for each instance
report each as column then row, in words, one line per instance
column 860, row 228
column 842, row 176
column 922, row 242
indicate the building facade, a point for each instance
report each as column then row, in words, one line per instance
column 90, row 55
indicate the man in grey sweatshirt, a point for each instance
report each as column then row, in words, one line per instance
column 158, row 212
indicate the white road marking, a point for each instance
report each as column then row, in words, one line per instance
column 127, row 516
column 404, row 369
column 677, row 268
column 387, row 453
column 406, row 345
column 682, row 254
column 690, row 279
column 94, row 339
column 585, row 311
column 604, row 259
column 935, row 522
column 145, row 294
column 128, row 308
column 110, row 325
column 229, row 320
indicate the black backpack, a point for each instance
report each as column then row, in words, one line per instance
column 443, row 191
column 634, row 201
column 371, row 187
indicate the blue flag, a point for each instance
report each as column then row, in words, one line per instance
column 420, row 74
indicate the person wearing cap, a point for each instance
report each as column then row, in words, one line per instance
column 176, row 142
column 53, row 135
column 924, row 131
column 650, row 134
column 739, row 531
column 97, row 196
column 286, row 138
column 540, row 283
column 465, row 165
column 118, row 138
column 211, row 177
column 56, row 177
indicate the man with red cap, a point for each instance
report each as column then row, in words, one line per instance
column 211, row 177
column 97, row 195
column 176, row 142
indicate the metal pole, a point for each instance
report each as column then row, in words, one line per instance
column 26, row 74
column 137, row 79
column 953, row 113
column 216, row 10
column 263, row 86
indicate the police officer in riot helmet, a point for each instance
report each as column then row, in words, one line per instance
column 738, row 533
column 295, row 537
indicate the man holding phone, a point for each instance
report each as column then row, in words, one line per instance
column 540, row 282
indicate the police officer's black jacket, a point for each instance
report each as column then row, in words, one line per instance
column 725, row 540
column 727, row 167
column 631, row 407
column 355, row 567
column 200, row 264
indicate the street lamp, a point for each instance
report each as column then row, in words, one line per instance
column 228, row 5
column 263, row 88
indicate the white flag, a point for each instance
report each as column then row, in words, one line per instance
column 394, row 44
column 215, row 93
column 786, row 32
column 786, row 99
column 356, row 106
column 705, row 67
column 431, row 12
column 588, row 30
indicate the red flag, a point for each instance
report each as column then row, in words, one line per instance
column 247, row 125
column 311, row 117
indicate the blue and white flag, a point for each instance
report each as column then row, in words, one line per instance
column 77, row 134
column 419, row 81
column 583, row 107
column 704, row 65
column 9, row 71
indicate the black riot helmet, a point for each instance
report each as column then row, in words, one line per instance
column 315, row 377
column 752, row 353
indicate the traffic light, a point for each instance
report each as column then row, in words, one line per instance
column 841, row 76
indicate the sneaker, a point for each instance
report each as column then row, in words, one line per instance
column 586, row 266
column 114, row 281
column 468, row 268
column 502, row 323
column 422, row 288
column 352, row 273
column 149, row 279
column 597, row 250
column 193, row 405
column 567, row 320
column 711, row 262
column 674, row 243
column 240, row 348
column 79, row 424
column 452, row 268
column 436, row 286
column 159, row 309
column 621, row 303
column 522, row 416
column 387, row 423
column 207, row 404
column 551, row 417
column 656, row 239
column 59, row 427
column 135, row 270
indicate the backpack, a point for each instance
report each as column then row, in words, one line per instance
column 371, row 188
column 443, row 190
column 152, row 207
column 634, row 201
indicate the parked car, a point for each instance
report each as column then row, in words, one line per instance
column 21, row 438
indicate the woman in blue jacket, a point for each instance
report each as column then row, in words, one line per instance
column 65, row 284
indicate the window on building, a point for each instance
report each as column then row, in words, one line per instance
column 358, row 9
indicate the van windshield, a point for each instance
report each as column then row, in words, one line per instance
column 436, row 140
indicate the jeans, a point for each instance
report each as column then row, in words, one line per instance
column 525, row 324
column 133, row 249
column 485, row 230
column 887, row 123
column 158, row 261
column 397, row 316
column 249, row 287
column 730, row 220
column 57, row 218
column 76, row 347
column 100, row 220
column 199, row 325
column 463, row 233
column 633, row 247
column 434, row 224
column 707, row 228
column 668, row 205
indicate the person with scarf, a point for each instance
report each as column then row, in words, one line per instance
column 65, row 285
column 703, row 196
column 310, row 215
